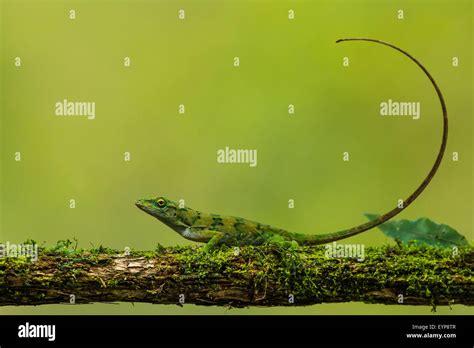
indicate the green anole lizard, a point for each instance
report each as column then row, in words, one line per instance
column 215, row 229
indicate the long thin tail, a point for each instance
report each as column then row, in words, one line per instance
column 330, row 237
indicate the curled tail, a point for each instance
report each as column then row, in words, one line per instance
column 331, row 237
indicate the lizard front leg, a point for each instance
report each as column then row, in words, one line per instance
column 216, row 237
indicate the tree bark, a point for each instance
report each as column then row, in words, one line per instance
column 250, row 276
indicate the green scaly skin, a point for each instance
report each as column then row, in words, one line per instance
column 217, row 230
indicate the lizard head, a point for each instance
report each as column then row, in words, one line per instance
column 163, row 209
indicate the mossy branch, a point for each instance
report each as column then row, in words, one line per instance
column 253, row 276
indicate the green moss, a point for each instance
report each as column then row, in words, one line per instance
column 411, row 270
column 112, row 283
column 104, row 250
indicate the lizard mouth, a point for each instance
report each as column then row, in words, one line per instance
column 139, row 203
column 146, row 207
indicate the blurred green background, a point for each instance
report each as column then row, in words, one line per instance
column 190, row 62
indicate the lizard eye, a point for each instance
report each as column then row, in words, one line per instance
column 161, row 202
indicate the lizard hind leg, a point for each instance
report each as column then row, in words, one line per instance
column 283, row 243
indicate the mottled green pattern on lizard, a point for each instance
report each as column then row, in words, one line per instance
column 233, row 231
column 216, row 229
